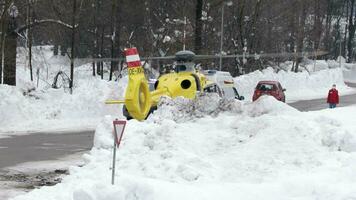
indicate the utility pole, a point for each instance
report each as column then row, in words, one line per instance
column 72, row 46
column 340, row 43
column 221, row 35
column 340, row 52
column 229, row 3
column 184, row 32
column 113, row 35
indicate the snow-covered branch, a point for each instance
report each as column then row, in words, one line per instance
column 44, row 21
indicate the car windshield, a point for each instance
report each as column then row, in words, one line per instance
column 265, row 87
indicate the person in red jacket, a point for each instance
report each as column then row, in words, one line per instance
column 333, row 97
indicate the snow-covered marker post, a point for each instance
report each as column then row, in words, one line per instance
column 119, row 127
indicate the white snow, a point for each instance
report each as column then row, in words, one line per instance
column 11, row 188
column 350, row 73
column 25, row 109
column 259, row 150
column 208, row 148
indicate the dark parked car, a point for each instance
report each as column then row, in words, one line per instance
column 272, row 88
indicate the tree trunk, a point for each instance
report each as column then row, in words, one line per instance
column 2, row 36
column 102, row 52
column 113, row 35
column 252, row 32
column 351, row 31
column 327, row 42
column 10, row 53
column 10, row 59
column 198, row 26
column 318, row 24
column 72, row 47
column 29, row 39
column 95, row 41
column 301, row 34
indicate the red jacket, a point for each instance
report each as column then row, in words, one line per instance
column 333, row 96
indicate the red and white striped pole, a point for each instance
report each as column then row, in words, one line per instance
column 132, row 58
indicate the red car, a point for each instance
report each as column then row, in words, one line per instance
column 272, row 88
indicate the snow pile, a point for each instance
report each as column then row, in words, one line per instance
column 282, row 155
column 299, row 86
column 24, row 110
column 181, row 109
column 210, row 104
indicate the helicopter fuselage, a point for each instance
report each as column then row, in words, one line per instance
column 185, row 84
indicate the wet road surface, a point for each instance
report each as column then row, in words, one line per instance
column 319, row 104
column 40, row 147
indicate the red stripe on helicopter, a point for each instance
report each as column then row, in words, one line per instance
column 132, row 58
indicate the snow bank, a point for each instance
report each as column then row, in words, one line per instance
column 53, row 109
column 299, row 86
column 350, row 73
column 27, row 108
column 281, row 155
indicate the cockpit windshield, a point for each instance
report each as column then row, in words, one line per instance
column 184, row 66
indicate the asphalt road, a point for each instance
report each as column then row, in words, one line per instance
column 40, row 147
column 318, row 104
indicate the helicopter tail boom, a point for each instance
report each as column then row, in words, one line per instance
column 115, row 102
column 137, row 97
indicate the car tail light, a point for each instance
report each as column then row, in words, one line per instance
column 228, row 82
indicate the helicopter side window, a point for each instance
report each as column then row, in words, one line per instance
column 210, row 89
column 180, row 68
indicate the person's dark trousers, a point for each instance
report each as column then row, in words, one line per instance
column 332, row 105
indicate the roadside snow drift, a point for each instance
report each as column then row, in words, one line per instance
column 260, row 150
column 27, row 108
column 53, row 109
column 299, row 86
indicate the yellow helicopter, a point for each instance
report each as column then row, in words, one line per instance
column 185, row 81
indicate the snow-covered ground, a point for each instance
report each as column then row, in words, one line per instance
column 21, row 176
column 350, row 73
column 260, row 150
column 25, row 109
column 203, row 149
